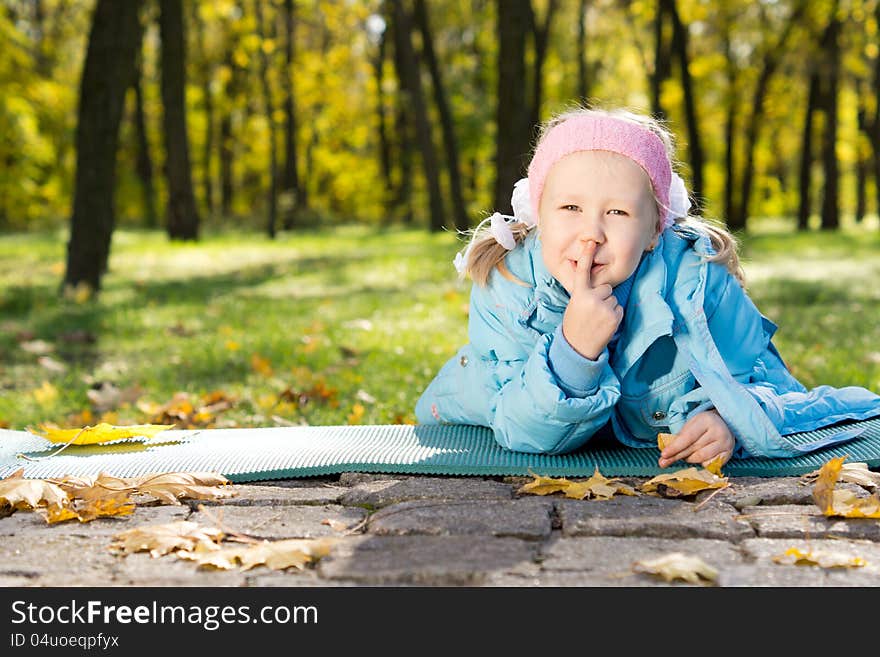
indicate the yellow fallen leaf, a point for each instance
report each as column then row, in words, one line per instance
column 663, row 439
column 714, row 466
column 261, row 365
column 596, row 487
column 100, row 433
column 544, row 485
column 846, row 504
column 823, row 558
column 86, row 511
column 26, row 494
column 688, row 481
column 856, row 473
column 46, row 393
column 164, row 538
column 678, row 565
column 823, row 489
column 277, row 555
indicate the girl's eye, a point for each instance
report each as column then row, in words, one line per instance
column 619, row 213
column 571, row 208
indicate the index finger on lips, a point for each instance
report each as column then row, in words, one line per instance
column 585, row 264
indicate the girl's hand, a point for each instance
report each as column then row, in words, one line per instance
column 703, row 437
column 593, row 314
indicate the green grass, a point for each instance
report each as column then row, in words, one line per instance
column 353, row 322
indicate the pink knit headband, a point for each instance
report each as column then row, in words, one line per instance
column 595, row 132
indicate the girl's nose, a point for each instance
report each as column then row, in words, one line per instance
column 591, row 230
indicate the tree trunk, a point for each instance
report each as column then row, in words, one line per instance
column 114, row 41
column 182, row 219
column 771, row 59
column 830, row 219
column 384, row 142
column 730, row 100
column 874, row 124
column 695, row 141
column 144, row 164
column 861, row 162
column 272, row 198
column 542, row 36
column 512, row 115
column 805, row 204
column 450, row 142
column 583, row 88
column 662, row 61
column 411, row 83
column 290, row 183
column 227, row 140
column 206, row 73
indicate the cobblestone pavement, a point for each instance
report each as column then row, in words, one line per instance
column 395, row 530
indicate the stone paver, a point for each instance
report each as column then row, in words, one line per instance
column 528, row 519
column 425, row 560
column 285, row 521
column 378, row 492
column 649, row 516
column 801, row 521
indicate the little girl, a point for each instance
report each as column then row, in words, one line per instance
column 602, row 304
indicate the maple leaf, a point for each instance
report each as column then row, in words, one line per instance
column 165, row 538
column 823, row 558
column 678, row 565
column 25, row 494
column 685, row 482
column 100, row 433
column 663, row 439
column 277, row 555
column 596, row 487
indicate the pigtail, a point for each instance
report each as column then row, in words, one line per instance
column 484, row 254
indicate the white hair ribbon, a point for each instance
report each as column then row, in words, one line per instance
column 501, row 231
column 679, row 203
column 522, row 205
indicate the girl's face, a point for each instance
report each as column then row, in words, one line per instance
column 602, row 197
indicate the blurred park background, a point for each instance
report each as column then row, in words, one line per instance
column 218, row 213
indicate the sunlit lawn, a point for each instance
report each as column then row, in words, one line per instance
column 337, row 327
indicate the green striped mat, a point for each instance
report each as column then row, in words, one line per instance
column 283, row 452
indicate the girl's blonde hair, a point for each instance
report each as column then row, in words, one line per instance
column 484, row 253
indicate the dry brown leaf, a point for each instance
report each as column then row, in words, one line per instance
column 685, row 482
column 823, row 558
column 678, row 565
column 276, row 555
column 596, row 487
column 165, row 538
column 27, row 494
column 171, row 487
